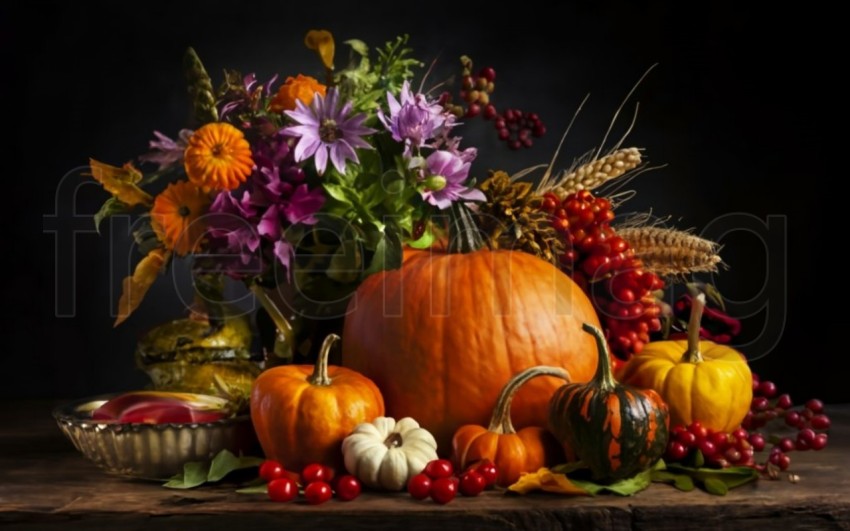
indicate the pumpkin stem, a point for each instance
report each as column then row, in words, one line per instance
column 604, row 377
column 285, row 334
column 464, row 235
column 320, row 372
column 394, row 440
column 693, row 354
column 500, row 422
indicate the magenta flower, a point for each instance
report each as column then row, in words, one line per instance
column 326, row 130
column 166, row 152
column 413, row 120
column 445, row 179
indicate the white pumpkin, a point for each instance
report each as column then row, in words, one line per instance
column 385, row 454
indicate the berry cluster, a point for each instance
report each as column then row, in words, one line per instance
column 438, row 481
column 513, row 126
column 516, row 128
column 809, row 421
column 606, row 267
column 718, row 449
column 737, row 448
column 318, row 481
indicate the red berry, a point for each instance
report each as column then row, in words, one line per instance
column 720, row 440
column 786, row 444
column 488, row 470
column 271, row 470
column 488, row 73
column 784, row 401
column 707, row 448
column 760, row 403
column 472, row 483
column 282, row 489
column 443, row 490
column 784, row 462
column 439, row 468
column 419, row 486
column 767, row 389
column 489, row 112
column 820, row 422
column 732, row 455
column 347, row 487
column 316, row 472
column 820, row 441
column 806, row 434
column 740, row 433
column 676, row 451
column 757, row 441
column 317, row 492
column 814, row 405
column 792, row 418
column 699, row 431
column 801, row 445
column 473, row 110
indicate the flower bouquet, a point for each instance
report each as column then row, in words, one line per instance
column 465, row 301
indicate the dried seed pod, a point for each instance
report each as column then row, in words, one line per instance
column 671, row 252
column 597, row 172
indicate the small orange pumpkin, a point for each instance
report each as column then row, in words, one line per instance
column 302, row 413
column 513, row 452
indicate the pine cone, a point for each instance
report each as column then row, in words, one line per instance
column 511, row 219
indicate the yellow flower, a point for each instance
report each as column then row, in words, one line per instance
column 218, row 157
column 120, row 182
column 301, row 88
column 176, row 214
column 323, row 42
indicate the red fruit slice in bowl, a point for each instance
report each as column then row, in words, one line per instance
column 159, row 407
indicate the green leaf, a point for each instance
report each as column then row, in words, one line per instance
column 698, row 459
column 388, row 254
column 568, row 468
column 337, row 192
column 194, row 474
column 425, row 241
column 715, row 486
column 358, row 46
column 730, row 477
column 109, row 208
column 225, row 462
column 682, row 482
column 346, row 264
column 623, row 487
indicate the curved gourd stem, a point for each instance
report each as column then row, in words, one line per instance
column 604, row 377
column 500, row 422
column 320, row 371
column 693, row 354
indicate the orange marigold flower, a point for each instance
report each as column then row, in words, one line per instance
column 218, row 157
column 296, row 88
column 176, row 216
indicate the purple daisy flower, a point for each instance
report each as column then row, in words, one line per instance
column 326, row 130
column 413, row 120
column 167, row 152
column 444, row 184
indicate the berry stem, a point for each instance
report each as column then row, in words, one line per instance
column 693, row 354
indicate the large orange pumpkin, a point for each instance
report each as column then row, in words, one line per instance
column 302, row 413
column 442, row 335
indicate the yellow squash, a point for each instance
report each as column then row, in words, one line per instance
column 700, row 380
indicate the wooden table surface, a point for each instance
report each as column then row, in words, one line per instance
column 46, row 484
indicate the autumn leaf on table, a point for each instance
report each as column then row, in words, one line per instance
column 136, row 286
column 547, row 481
column 122, row 182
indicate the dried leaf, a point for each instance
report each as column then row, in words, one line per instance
column 136, row 286
column 547, row 481
column 121, row 182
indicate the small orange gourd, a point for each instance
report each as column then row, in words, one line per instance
column 302, row 413
column 513, row 452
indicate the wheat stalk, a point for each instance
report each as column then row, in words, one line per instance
column 597, row 172
column 671, row 252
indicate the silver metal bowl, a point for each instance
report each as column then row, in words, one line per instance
column 150, row 451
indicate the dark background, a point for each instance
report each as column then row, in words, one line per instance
column 739, row 109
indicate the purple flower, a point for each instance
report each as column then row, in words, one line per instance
column 167, row 152
column 326, row 130
column 413, row 120
column 444, row 183
column 243, row 97
column 251, row 224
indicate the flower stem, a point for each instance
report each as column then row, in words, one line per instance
column 285, row 334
